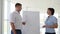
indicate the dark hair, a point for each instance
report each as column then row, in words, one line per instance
column 52, row 10
column 18, row 4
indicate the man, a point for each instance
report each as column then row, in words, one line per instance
column 16, row 20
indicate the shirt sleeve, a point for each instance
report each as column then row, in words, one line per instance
column 24, row 17
column 12, row 18
column 55, row 20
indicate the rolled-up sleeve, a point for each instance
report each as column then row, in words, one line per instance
column 12, row 18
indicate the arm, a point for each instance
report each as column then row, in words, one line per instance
column 52, row 26
column 12, row 20
column 55, row 25
column 13, row 27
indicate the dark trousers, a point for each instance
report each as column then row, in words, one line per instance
column 17, row 31
column 50, row 33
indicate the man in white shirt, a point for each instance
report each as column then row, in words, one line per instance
column 16, row 20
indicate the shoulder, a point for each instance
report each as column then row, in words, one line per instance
column 54, row 18
column 13, row 13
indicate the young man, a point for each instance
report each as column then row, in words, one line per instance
column 16, row 20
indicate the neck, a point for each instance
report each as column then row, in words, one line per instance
column 18, row 12
column 49, row 15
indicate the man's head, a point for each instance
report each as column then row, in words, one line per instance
column 18, row 7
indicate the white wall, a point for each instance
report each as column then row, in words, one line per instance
column 39, row 5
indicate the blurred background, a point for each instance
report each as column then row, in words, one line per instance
column 8, row 6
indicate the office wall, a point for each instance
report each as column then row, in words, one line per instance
column 39, row 5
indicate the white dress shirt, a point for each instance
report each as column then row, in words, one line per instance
column 16, row 19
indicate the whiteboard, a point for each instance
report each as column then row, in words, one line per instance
column 32, row 20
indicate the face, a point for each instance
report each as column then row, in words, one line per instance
column 18, row 8
column 48, row 12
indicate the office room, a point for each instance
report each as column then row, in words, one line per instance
column 33, row 15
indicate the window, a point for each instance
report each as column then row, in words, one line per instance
column 42, row 19
column 5, row 18
column 8, row 8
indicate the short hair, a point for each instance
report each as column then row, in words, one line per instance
column 52, row 10
column 18, row 4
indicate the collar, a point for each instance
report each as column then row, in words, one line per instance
column 17, row 12
column 50, row 16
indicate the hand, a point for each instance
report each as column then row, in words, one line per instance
column 44, row 26
column 23, row 23
column 14, row 32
